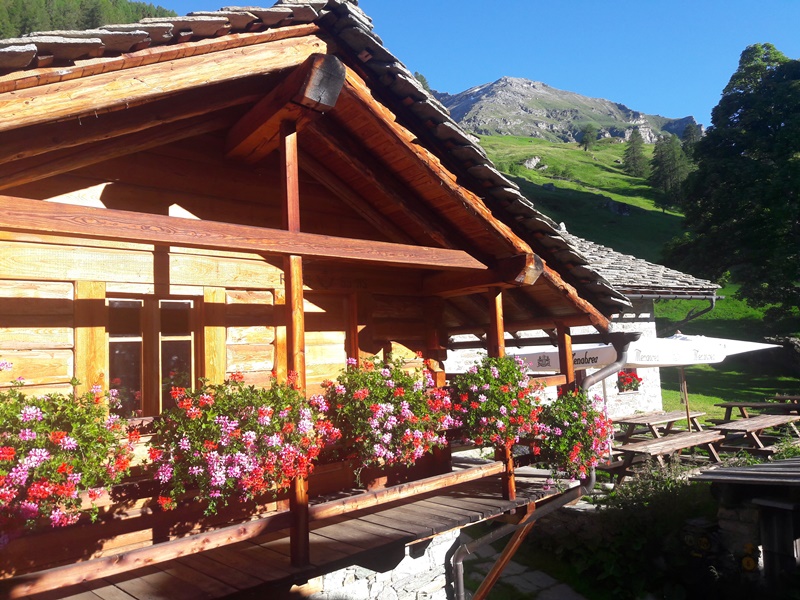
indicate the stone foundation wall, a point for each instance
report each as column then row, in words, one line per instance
column 422, row 578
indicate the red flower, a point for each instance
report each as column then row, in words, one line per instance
column 7, row 453
column 166, row 503
column 237, row 377
column 155, row 454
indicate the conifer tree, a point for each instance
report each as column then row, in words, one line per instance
column 634, row 161
column 669, row 169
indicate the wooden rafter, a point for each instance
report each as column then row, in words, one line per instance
column 394, row 196
column 39, row 167
column 356, row 91
column 23, row 215
column 359, row 204
column 521, row 270
column 18, row 144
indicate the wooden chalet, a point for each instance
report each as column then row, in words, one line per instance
column 250, row 190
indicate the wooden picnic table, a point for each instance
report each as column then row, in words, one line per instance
column 743, row 406
column 668, row 445
column 751, row 429
column 657, row 423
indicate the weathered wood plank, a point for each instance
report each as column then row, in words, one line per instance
column 214, row 335
column 18, row 214
column 59, row 263
column 91, row 347
column 103, row 92
column 41, row 367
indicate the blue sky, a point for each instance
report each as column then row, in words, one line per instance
column 670, row 58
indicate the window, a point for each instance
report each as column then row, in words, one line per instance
column 152, row 347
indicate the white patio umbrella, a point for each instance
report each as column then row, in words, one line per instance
column 675, row 351
column 678, row 350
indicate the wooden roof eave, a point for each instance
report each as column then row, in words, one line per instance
column 505, row 243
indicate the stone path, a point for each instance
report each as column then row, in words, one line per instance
column 536, row 585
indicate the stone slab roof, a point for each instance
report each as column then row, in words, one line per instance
column 396, row 86
column 635, row 277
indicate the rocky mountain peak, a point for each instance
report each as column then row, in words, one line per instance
column 517, row 106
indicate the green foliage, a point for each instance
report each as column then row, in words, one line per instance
column 588, row 136
column 633, row 544
column 51, row 448
column 755, row 62
column 743, row 205
column 388, row 415
column 232, row 440
column 669, row 168
column 423, row 81
column 18, row 17
column 634, row 163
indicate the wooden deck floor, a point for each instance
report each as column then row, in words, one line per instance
column 367, row 538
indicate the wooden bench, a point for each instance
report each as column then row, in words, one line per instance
column 668, row 445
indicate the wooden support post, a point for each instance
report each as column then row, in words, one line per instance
column 495, row 342
column 351, row 335
column 505, row 557
column 565, row 355
column 91, row 348
column 496, row 335
column 295, row 329
column 214, row 335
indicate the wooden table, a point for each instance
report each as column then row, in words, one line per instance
column 743, row 406
column 667, row 445
column 751, row 429
column 658, row 423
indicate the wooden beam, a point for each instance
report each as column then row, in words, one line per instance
column 23, row 215
column 18, row 144
column 29, row 78
column 351, row 324
column 311, row 89
column 31, row 169
column 214, row 335
column 91, row 348
column 104, row 92
column 394, row 195
column 496, row 333
column 522, row 270
column 577, row 320
column 565, row 353
column 596, row 318
column 356, row 89
column 346, row 194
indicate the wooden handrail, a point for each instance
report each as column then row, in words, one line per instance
column 26, row 585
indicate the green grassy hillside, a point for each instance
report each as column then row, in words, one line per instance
column 588, row 191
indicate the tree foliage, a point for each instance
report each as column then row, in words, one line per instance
column 588, row 135
column 18, row 17
column 423, row 81
column 669, row 168
column 743, row 207
column 634, row 161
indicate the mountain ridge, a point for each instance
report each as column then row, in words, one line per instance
column 522, row 107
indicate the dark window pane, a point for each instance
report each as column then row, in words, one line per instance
column 176, row 317
column 176, row 368
column 125, row 370
column 124, row 318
